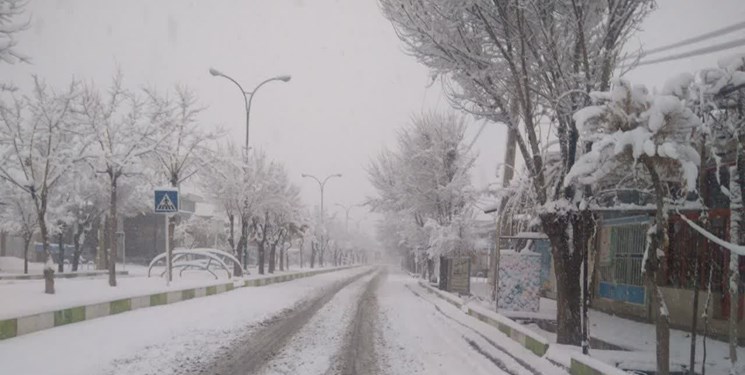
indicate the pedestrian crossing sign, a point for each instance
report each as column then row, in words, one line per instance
column 166, row 201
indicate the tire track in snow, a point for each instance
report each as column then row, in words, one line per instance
column 257, row 348
column 478, row 347
column 320, row 347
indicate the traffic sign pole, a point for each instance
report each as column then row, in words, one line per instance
column 169, row 265
column 167, row 202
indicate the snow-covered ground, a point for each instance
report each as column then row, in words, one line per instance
column 27, row 297
column 636, row 336
column 316, row 347
column 410, row 332
column 159, row 340
column 423, row 334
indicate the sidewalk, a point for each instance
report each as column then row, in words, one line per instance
column 30, row 309
column 638, row 339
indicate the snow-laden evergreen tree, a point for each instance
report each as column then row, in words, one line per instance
column 630, row 127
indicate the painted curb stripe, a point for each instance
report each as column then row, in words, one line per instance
column 14, row 327
column 8, row 328
column 67, row 316
column 120, row 306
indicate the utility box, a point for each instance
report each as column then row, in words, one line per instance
column 455, row 274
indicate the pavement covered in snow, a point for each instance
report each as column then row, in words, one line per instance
column 28, row 296
column 637, row 337
column 363, row 320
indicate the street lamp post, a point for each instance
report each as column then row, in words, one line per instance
column 247, row 99
column 347, row 208
column 322, row 185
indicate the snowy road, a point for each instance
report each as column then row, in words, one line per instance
column 363, row 321
column 376, row 324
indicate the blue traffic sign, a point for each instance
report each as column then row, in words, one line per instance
column 166, row 201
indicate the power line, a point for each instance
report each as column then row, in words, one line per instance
column 696, row 52
column 695, row 39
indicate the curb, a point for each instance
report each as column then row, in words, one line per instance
column 63, row 275
column 23, row 325
column 580, row 364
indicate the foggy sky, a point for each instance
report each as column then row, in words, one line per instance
column 352, row 84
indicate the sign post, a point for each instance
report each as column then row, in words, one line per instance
column 167, row 203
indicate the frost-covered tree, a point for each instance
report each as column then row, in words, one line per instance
column 524, row 63
column 18, row 217
column 10, row 25
column 122, row 139
column 629, row 127
column 719, row 97
column 183, row 152
column 40, row 143
column 278, row 208
column 426, row 181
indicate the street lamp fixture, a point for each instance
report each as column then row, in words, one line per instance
column 247, row 99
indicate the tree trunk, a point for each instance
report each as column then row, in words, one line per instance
column 243, row 243
column 282, row 258
column 26, row 243
column 272, row 257
column 61, row 255
column 49, row 264
column 78, row 248
column 231, row 235
column 237, row 271
column 112, row 231
column 736, row 188
column 261, row 256
column 568, row 266
column 101, row 263
column 312, row 255
column 654, row 278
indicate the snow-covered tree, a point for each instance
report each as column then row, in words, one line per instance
column 629, row 127
column 277, row 210
column 123, row 138
column 18, row 216
column 40, row 143
column 10, row 25
column 426, row 180
column 183, row 152
column 719, row 97
column 528, row 64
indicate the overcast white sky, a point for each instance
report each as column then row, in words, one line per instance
column 352, row 84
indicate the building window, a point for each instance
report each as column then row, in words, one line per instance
column 622, row 250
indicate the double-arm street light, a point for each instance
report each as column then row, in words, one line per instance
column 347, row 208
column 321, row 185
column 249, row 95
column 247, row 99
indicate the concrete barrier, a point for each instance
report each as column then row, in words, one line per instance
column 22, row 325
column 585, row 365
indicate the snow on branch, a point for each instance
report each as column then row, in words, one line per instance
column 737, row 249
